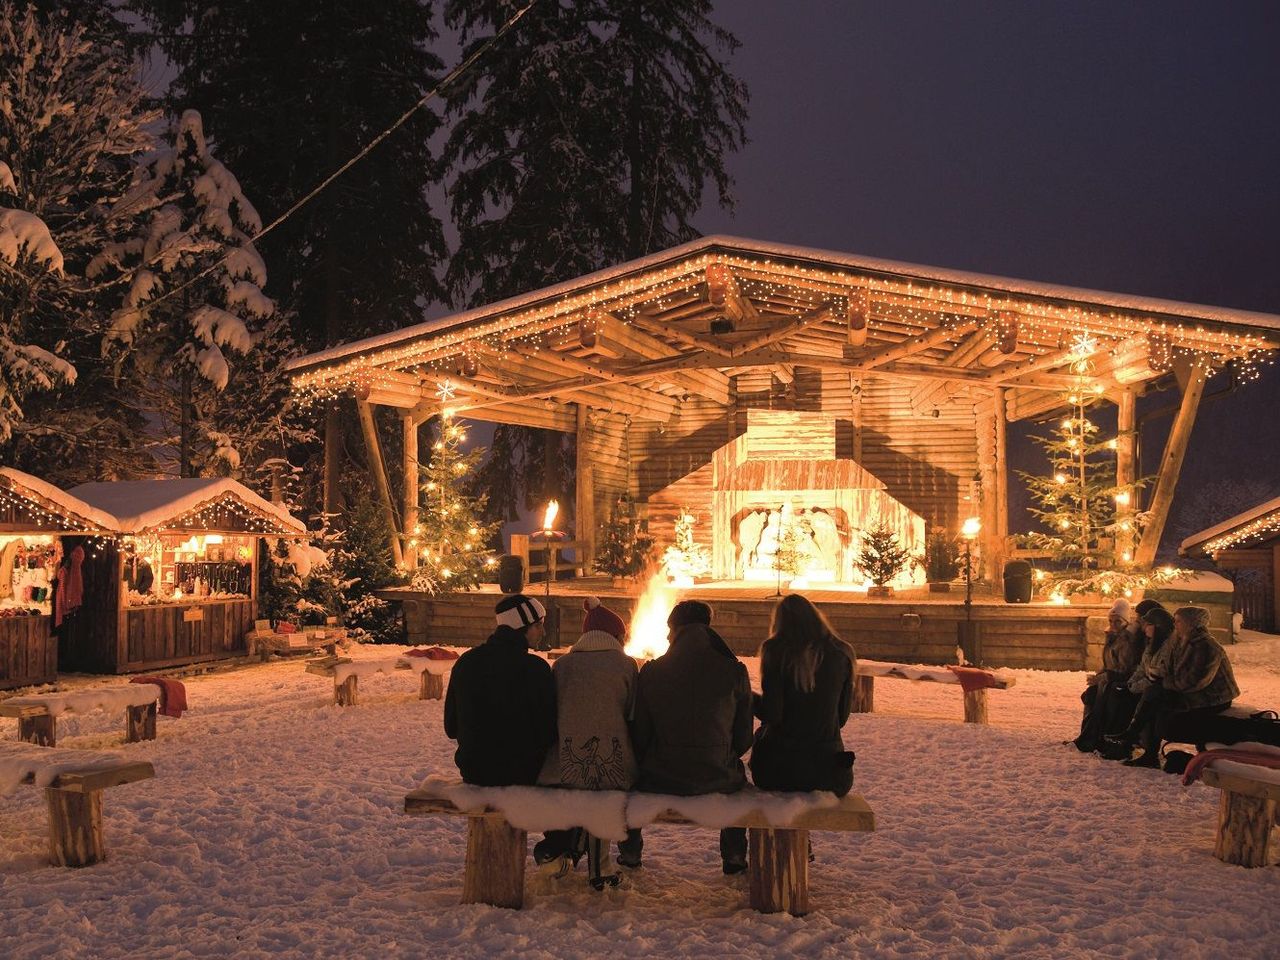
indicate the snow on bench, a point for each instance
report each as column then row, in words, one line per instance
column 1250, row 801
column 38, row 714
column 73, row 781
column 346, row 673
column 974, row 681
column 499, row 818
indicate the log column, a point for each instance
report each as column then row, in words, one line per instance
column 140, row 723
column 409, row 425
column 75, row 827
column 975, row 706
column 379, row 474
column 495, row 863
column 1126, row 442
column 1175, row 450
column 779, row 870
column 585, row 490
column 864, row 694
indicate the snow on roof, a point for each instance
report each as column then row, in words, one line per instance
column 802, row 255
column 78, row 514
column 1260, row 513
column 142, row 505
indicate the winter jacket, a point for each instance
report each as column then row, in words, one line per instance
column 595, row 697
column 501, row 708
column 693, row 717
column 1200, row 672
column 798, row 745
column 1152, row 665
column 1121, row 654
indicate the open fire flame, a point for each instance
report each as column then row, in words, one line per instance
column 647, row 634
column 549, row 518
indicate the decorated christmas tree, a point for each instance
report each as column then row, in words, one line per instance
column 790, row 558
column 685, row 559
column 624, row 549
column 452, row 533
column 882, row 556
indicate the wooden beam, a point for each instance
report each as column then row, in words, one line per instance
column 409, row 426
column 911, row 345
column 544, row 414
column 549, row 367
column 930, row 395
column 681, row 336
column 584, row 492
column 1175, row 451
column 1047, row 361
column 821, row 315
column 378, row 473
column 619, row 340
column 1126, row 446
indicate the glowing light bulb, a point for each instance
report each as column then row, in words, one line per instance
column 1060, row 477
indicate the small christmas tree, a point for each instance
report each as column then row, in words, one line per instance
column 941, row 559
column 452, row 532
column 882, row 556
column 624, row 550
column 790, row 558
column 366, row 568
column 685, row 559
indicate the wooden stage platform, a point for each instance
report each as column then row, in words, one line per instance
column 914, row 626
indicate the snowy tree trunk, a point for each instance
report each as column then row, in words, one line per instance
column 184, row 429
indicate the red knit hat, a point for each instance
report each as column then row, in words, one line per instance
column 600, row 617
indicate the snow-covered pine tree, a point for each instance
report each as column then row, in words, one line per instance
column 71, row 123
column 685, row 558
column 586, row 136
column 624, row 550
column 195, row 293
column 368, row 568
column 452, row 534
column 882, row 555
column 789, row 558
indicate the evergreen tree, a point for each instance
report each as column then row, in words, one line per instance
column 624, row 550
column 882, row 555
column 790, row 556
column 195, row 295
column 685, row 559
column 71, row 123
column 452, row 534
column 369, row 568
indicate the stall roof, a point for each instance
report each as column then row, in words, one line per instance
column 1258, row 523
column 69, row 513
column 140, row 506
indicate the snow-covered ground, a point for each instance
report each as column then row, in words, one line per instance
column 273, row 829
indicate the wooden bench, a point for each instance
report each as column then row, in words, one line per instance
column 778, row 860
column 430, row 675
column 1246, row 812
column 74, row 799
column 37, row 715
column 975, row 701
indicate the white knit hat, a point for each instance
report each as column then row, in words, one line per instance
column 1120, row 609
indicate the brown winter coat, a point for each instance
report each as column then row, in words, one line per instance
column 1121, row 653
column 1199, row 670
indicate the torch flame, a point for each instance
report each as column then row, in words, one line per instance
column 549, row 518
column 647, row 635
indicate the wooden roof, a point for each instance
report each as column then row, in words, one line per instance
column 29, row 505
column 637, row 338
column 1252, row 527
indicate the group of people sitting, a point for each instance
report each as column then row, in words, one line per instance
column 680, row 725
column 1163, row 678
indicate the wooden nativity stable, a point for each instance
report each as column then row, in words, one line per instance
column 742, row 380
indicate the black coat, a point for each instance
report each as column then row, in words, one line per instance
column 693, row 717
column 798, row 745
column 501, row 708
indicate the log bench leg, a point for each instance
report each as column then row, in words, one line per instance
column 864, row 694
column 778, row 863
column 344, row 693
column 431, row 686
column 41, row 730
column 496, row 854
column 1244, row 829
column 140, row 723
column 975, row 706
column 75, row 827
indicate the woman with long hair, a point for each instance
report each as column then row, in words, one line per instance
column 806, row 679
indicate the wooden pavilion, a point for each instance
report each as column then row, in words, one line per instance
column 1246, row 548
column 726, row 375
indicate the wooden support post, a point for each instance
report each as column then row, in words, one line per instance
column 1000, row 507
column 344, row 693
column 431, row 686
column 495, row 863
column 855, row 413
column 75, row 827
column 1175, row 450
column 140, row 723
column 864, row 694
column 975, row 706
column 585, row 493
column 379, row 474
column 41, row 730
column 1244, row 829
column 1126, row 441
column 409, row 425
column 779, row 870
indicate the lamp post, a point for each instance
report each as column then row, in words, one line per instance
column 969, row 532
column 549, row 536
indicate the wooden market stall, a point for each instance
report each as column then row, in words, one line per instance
column 1246, row 548
column 749, row 381
column 35, row 520
column 180, row 585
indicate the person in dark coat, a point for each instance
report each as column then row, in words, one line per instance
column 501, row 702
column 1108, row 702
column 806, row 679
column 693, row 721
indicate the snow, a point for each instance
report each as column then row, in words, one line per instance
column 84, row 515
column 98, row 698
column 878, row 668
column 24, row 234
column 142, row 505
column 1200, row 581
column 21, row 760
column 274, row 828
column 7, row 182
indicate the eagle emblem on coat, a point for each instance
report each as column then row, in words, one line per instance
column 591, row 769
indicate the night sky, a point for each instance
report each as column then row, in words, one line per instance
column 1131, row 147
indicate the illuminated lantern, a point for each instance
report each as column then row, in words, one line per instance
column 718, row 279
column 1007, row 332
column 859, row 303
